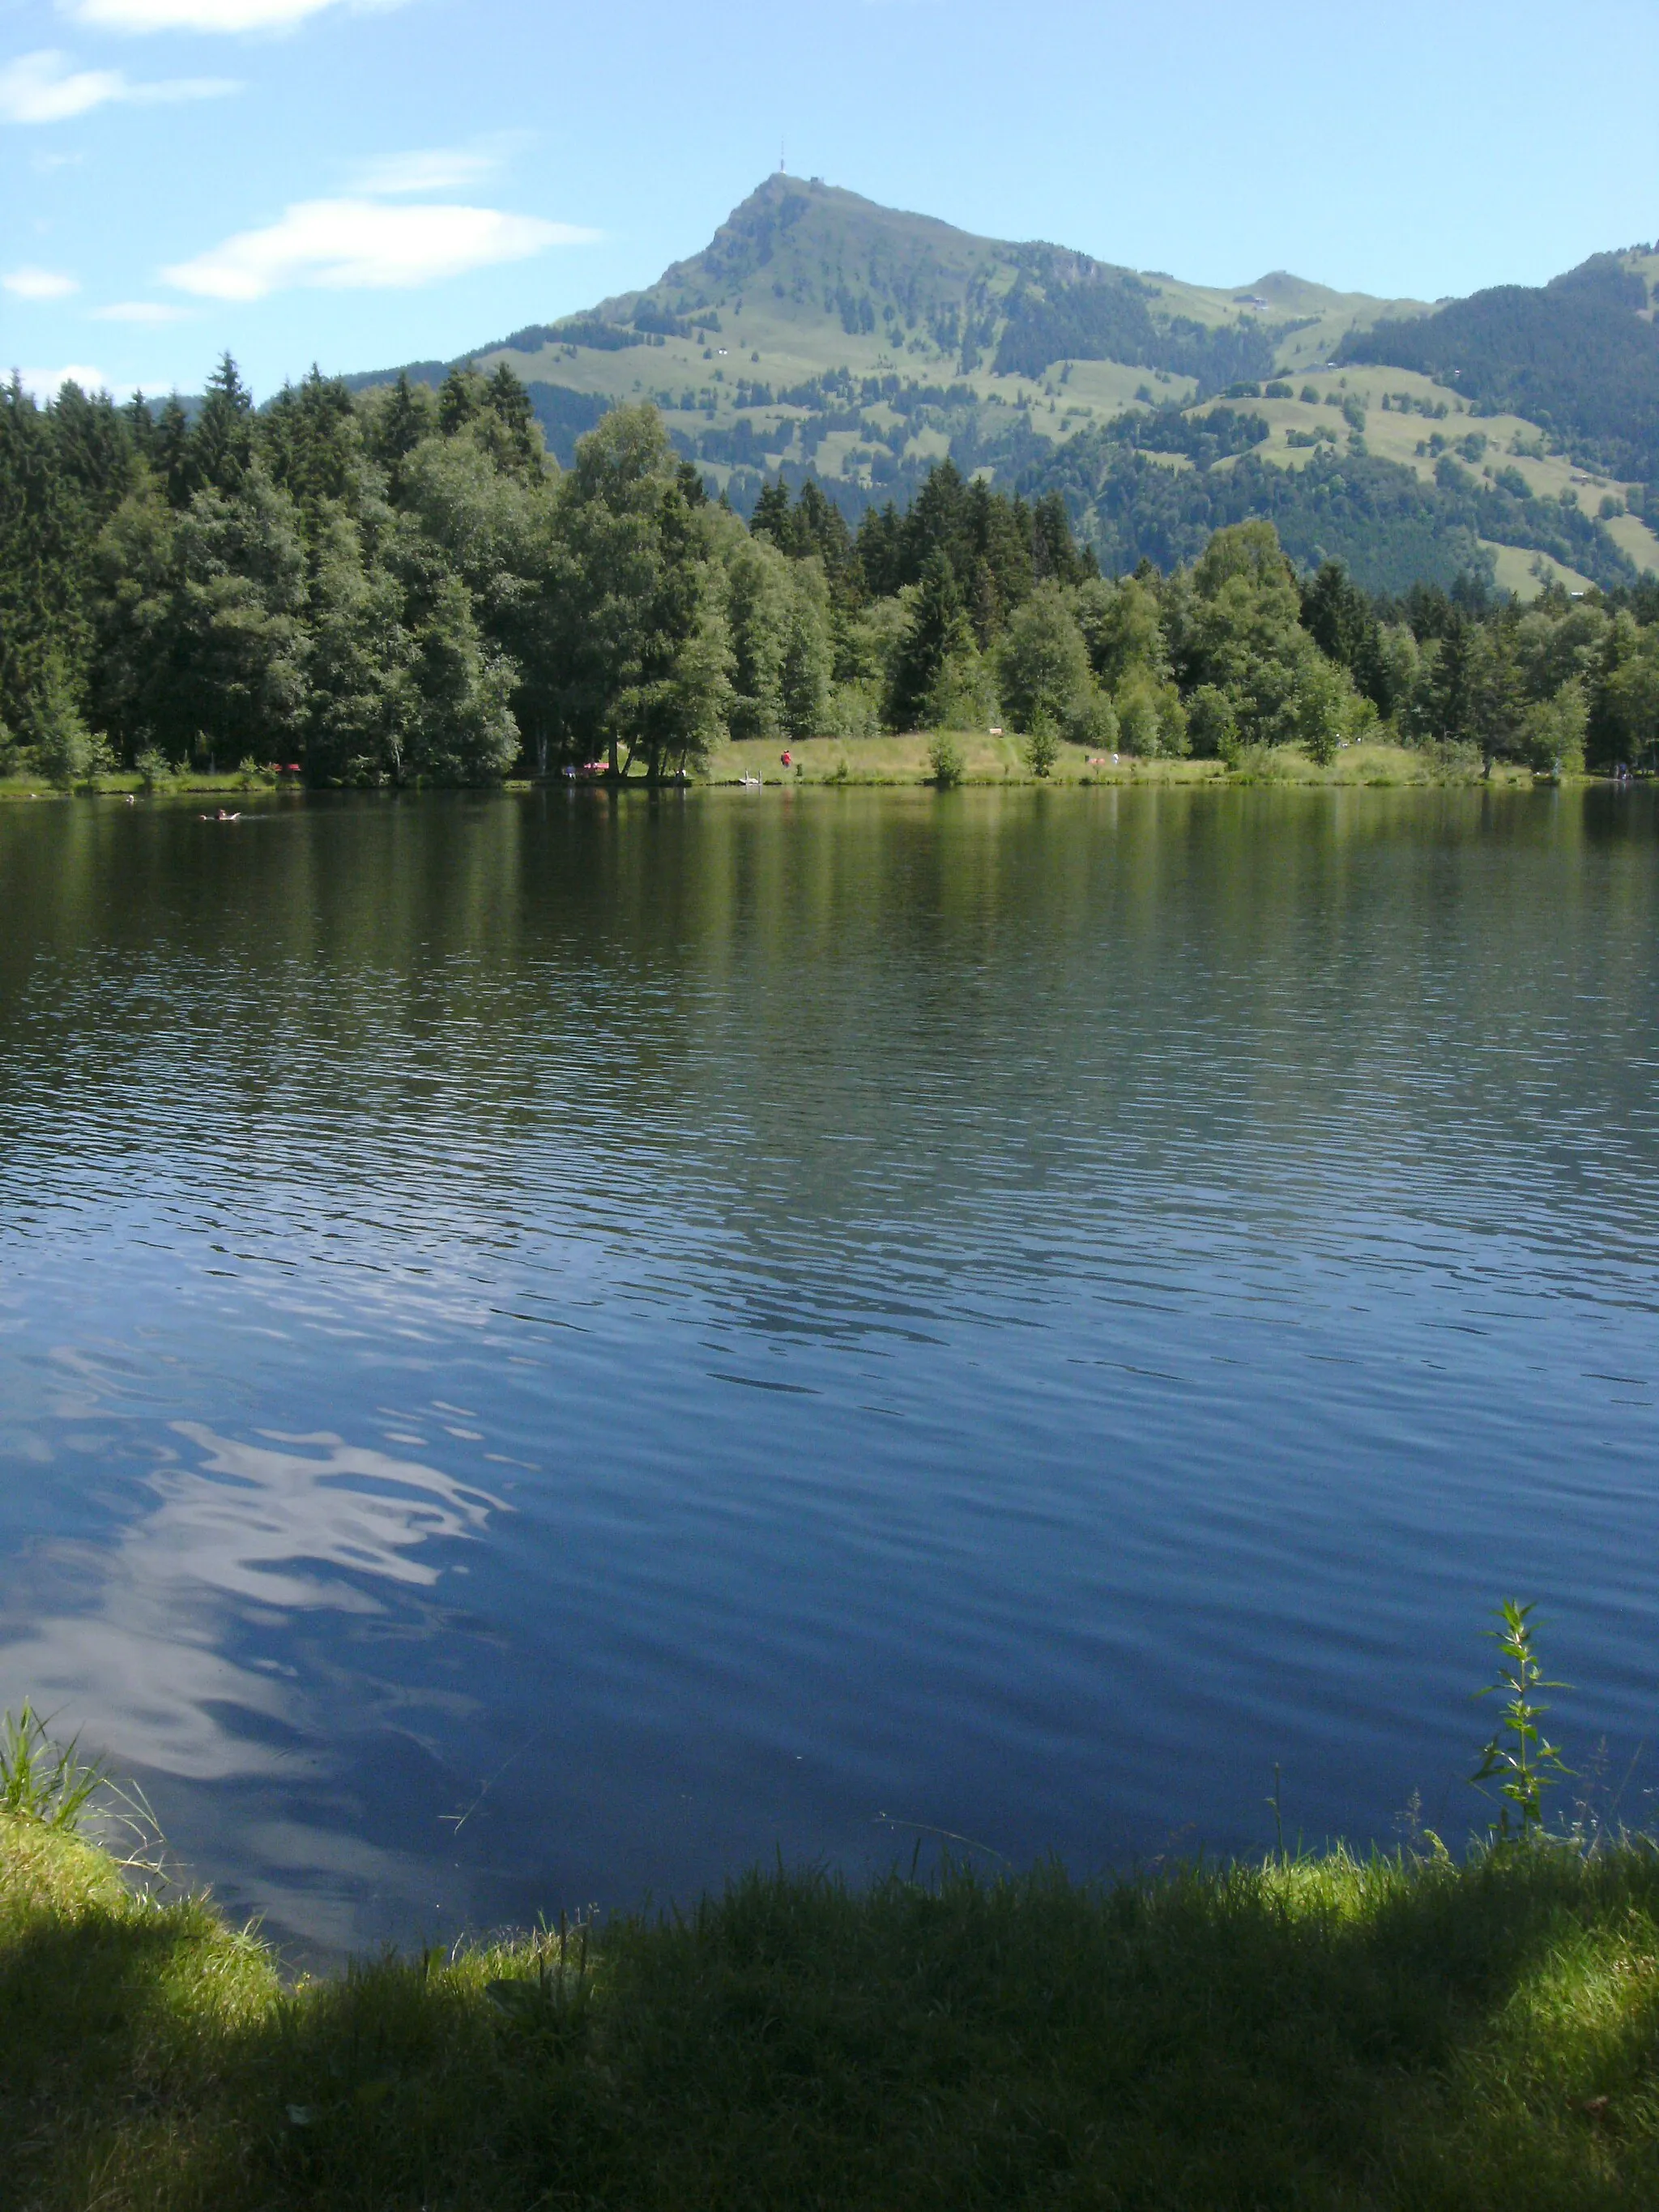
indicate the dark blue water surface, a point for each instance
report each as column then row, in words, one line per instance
column 550, row 1347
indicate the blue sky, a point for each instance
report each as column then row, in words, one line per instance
column 366, row 183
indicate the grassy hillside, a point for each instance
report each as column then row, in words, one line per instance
column 821, row 334
column 1578, row 355
column 1398, row 479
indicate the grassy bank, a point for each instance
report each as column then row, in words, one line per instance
column 905, row 760
column 1001, row 760
column 221, row 788
column 1311, row 2033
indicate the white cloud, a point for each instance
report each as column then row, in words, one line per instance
column 44, row 382
column 43, row 87
column 353, row 245
column 39, row 284
column 140, row 311
column 438, row 169
column 197, row 15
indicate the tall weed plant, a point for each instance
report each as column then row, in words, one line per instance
column 1519, row 1757
column 44, row 1781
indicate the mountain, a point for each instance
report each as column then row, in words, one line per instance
column 1579, row 355
column 819, row 334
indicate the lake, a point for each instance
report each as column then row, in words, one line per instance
column 552, row 1347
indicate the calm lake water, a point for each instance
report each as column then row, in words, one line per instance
column 551, row 1347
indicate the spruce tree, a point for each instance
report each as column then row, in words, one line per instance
column 141, row 424
column 1449, row 693
column 1054, row 549
column 311, row 441
column 936, row 631
column 93, row 446
column 820, row 529
column 221, row 442
column 170, row 454
column 520, row 442
column 881, row 551
column 404, row 419
column 940, row 522
column 772, row 518
column 461, row 399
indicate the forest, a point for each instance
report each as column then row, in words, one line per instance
column 1105, row 317
column 400, row 584
column 1578, row 355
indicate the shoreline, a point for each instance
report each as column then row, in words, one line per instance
column 902, row 762
column 991, row 762
column 1317, row 2029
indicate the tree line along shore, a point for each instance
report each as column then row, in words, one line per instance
column 402, row 586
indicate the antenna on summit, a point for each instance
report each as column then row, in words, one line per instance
column 779, row 157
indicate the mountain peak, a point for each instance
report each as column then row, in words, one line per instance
column 820, row 334
column 796, row 234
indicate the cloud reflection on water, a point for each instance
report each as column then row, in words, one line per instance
column 282, row 1525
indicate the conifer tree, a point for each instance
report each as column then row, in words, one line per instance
column 222, row 440
column 772, row 518
column 311, row 441
column 140, row 423
column 936, row 631
column 461, row 398
column 511, row 405
column 170, row 450
column 41, row 557
column 1054, row 550
column 409, row 413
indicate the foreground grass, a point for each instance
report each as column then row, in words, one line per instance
column 1309, row 2033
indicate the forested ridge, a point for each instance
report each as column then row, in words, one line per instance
column 1578, row 355
column 1105, row 315
column 401, row 584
